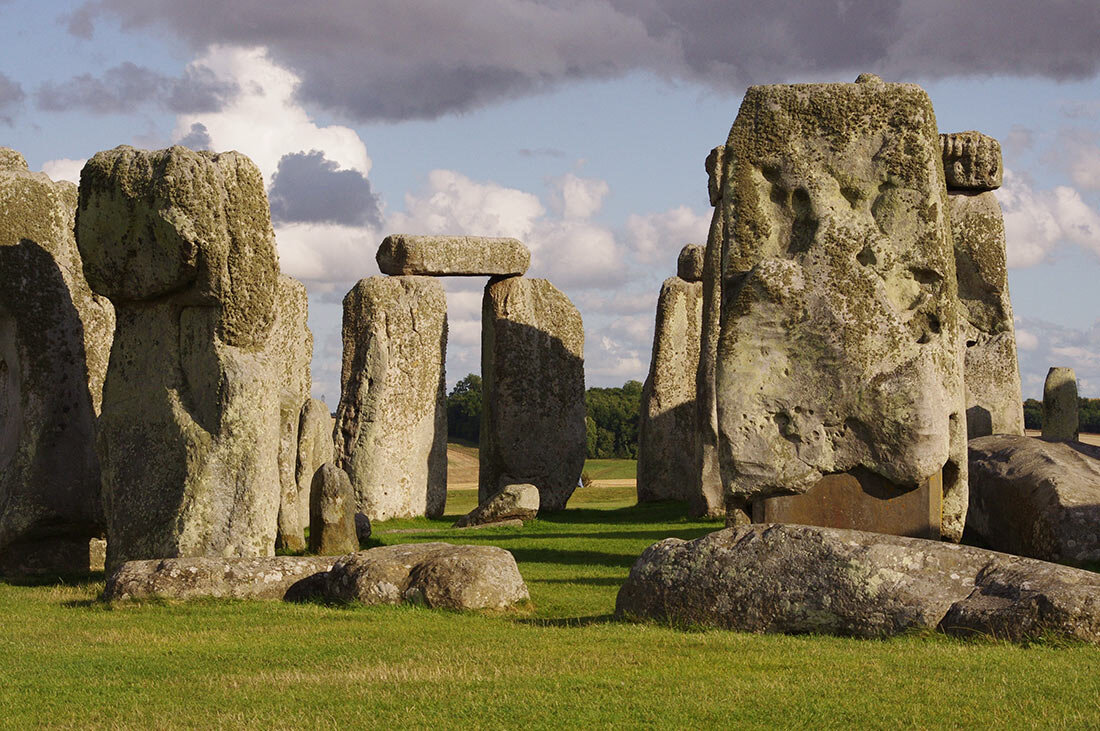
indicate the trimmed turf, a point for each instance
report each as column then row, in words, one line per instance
column 66, row 660
column 611, row 469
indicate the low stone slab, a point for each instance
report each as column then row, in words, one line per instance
column 1035, row 498
column 271, row 577
column 454, row 256
column 435, row 574
column 514, row 502
column 803, row 579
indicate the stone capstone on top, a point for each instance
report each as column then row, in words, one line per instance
column 804, row 579
column 971, row 161
column 689, row 265
column 464, row 256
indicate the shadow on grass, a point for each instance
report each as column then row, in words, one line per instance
column 94, row 577
column 573, row 558
column 590, row 580
column 570, row 622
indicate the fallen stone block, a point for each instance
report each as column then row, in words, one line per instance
column 803, row 579
column 455, row 256
column 269, row 577
column 514, row 502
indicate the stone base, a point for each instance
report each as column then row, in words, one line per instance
column 54, row 556
column 860, row 501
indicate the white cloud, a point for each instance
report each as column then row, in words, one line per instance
column 1025, row 340
column 657, row 237
column 64, row 169
column 325, row 255
column 452, row 203
column 264, row 121
column 575, row 197
column 1037, row 222
column 1042, row 344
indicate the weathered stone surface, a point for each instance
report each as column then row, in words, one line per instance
column 391, row 425
column 290, row 350
column 332, row 530
column 839, row 343
column 971, row 161
column 1060, row 417
column 689, row 265
column 436, row 574
column 315, row 425
column 1035, row 498
column 532, row 369
column 456, row 256
column 994, row 404
column 804, row 579
column 270, row 577
column 514, row 502
column 667, row 430
column 188, row 440
column 55, row 339
column 362, row 528
column 708, row 495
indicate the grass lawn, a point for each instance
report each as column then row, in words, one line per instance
column 67, row 660
column 612, row 469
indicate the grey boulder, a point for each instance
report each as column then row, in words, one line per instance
column 805, row 579
column 514, row 502
column 270, row 577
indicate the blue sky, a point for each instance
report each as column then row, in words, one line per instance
column 578, row 126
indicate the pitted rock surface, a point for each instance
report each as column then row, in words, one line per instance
column 391, row 424
column 971, row 161
column 55, row 340
column 805, row 579
column 839, row 341
column 188, row 439
column 332, row 530
column 667, row 430
column 456, row 256
column 1036, row 498
column 438, row 575
column 689, row 265
column 270, row 577
column 315, row 425
column 532, row 369
column 1061, row 420
column 514, row 502
column 994, row 404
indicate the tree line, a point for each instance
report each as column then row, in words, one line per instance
column 611, row 424
column 1088, row 414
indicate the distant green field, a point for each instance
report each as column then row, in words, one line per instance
column 68, row 661
column 612, row 469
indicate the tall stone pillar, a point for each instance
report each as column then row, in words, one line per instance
column 1060, row 412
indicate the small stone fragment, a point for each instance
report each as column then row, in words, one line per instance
column 514, row 502
column 667, row 430
column 362, row 528
column 438, row 575
column 689, row 265
column 391, row 425
column 269, row 577
column 455, row 256
column 1060, row 417
column 971, row 161
column 332, row 527
column 532, row 366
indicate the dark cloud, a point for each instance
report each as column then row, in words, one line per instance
column 11, row 96
column 400, row 59
column 308, row 188
column 197, row 138
column 542, row 152
column 127, row 86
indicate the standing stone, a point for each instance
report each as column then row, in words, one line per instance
column 332, row 513
column 314, row 449
column 55, row 338
column 1060, row 420
column 532, row 369
column 689, row 265
column 994, row 404
column 839, row 343
column 708, row 495
column 667, row 429
column 391, row 425
column 290, row 349
column 454, row 256
column 181, row 242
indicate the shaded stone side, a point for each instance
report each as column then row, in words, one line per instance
column 839, row 327
column 315, row 425
column 466, row 256
column 532, row 369
column 188, row 439
column 994, row 404
column 1060, row 411
column 667, row 429
column 971, row 161
column 689, row 265
column 391, row 424
column 55, row 340
column 290, row 349
column 332, row 513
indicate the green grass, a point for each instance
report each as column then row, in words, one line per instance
column 611, row 469
column 67, row 660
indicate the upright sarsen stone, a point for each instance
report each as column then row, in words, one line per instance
column 55, row 339
column 667, row 429
column 315, row 425
column 182, row 244
column 391, row 424
column 532, row 370
column 839, row 344
column 1060, row 412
